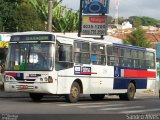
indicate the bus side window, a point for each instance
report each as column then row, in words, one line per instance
column 61, row 52
column 113, row 57
column 136, row 61
column 64, row 58
column 98, row 54
column 150, row 60
column 81, row 52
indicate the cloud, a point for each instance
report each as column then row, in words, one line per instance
column 128, row 8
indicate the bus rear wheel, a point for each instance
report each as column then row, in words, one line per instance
column 36, row 97
column 130, row 93
column 97, row 96
column 74, row 93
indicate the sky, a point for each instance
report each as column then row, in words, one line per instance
column 127, row 8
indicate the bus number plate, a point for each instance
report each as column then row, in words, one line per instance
column 23, row 86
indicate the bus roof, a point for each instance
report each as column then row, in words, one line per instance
column 106, row 39
column 31, row 33
column 72, row 36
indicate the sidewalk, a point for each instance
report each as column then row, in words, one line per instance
column 147, row 93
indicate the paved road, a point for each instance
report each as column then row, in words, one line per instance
column 56, row 107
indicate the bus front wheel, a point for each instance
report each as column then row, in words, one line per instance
column 36, row 97
column 74, row 93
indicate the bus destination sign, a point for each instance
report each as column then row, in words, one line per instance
column 17, row 38
column 94, row 25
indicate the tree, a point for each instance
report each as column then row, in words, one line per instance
column 138, row 38
column 63, row 20
column 149, row 21
column 135, row 21
column 121, row 20
column 6, row 14
column 27, row 19
column 145, row 21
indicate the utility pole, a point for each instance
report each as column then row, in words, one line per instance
column 50, row 4
column 80, row 20
column 116, row 14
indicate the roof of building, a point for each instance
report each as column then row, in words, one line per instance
column 153, row 37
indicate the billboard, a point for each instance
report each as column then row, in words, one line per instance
column 94, row 25
column 4, row 39
column 95, row 6
column 4, row 44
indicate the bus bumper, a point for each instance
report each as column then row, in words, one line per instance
column 48, row 88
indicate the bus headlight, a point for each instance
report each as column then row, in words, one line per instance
column 50, row 79
column 46, row 79
column 9, row 78
column 41, row 79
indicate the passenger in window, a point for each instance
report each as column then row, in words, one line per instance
column 61, row 51
column 42, row 62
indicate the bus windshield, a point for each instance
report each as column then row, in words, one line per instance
column 30, row 56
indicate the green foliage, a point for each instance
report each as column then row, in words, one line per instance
column 158, row 69
column 145, row 21
column 110, row 19
column 1, row 24
column 27, row 19
column 138, row 38
column 136, row 21
column 24, row 15
column 121, row 20
column 15, row 16
column 41, row 7
column 6, row 14
column 63, row 20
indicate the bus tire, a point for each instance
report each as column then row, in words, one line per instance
column 36, row 97
column 74, row 93
column 97, row 96
column 130, row 91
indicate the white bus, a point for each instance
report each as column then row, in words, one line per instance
column 41, row 63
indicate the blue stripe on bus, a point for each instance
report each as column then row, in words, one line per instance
column 129, row 46
column 19, row 76
column 122, row 83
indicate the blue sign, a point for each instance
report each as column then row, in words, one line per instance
column 95, row 6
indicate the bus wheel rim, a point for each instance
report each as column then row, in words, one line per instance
column 74, row 92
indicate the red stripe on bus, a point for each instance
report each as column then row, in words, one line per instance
column 12, row 74
column 139, row 73
column 87, row 73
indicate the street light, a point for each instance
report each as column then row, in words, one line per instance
column 50, row 4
